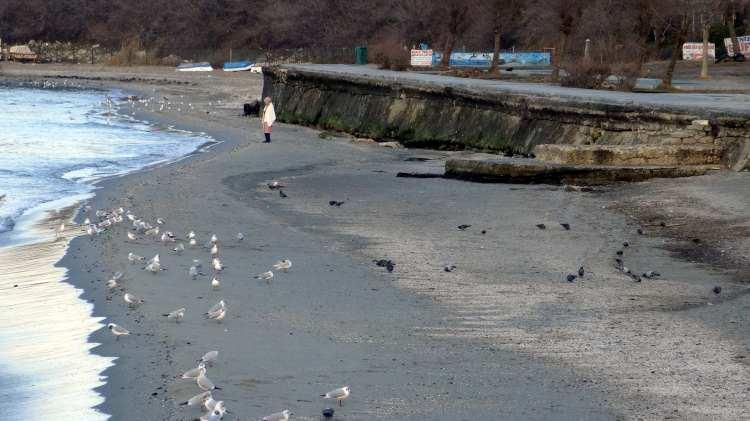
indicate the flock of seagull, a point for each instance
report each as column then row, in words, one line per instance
column 106, row 220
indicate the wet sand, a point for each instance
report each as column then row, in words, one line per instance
column 504, row 336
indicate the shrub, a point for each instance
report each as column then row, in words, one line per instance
column 585, row 74
column 390, row 53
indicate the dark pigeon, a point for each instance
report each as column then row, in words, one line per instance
column 282, row 194
column 626, row 244
column 335, row 203
column 541, row 226
column 566, row 226
column 449, row 268
column 571, row 278
column 464, row 227
column 328, row 413
column 581, row 272
column 717, row 290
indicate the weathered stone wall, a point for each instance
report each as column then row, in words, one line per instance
column 67, row 52
column 431, row 116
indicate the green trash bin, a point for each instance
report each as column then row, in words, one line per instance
column 360, row 55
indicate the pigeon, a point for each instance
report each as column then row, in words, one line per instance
column 328, row 413
column 717, row 290
column 566, row 226
column 283, row 265
column 581, row 271
column 279, row 416
column 626, row 244
column 336, row 203
column 176, row 315
column 132, row 301
column 463, row 227
column 118, row 330
column 282, row 194
column 266, row 276
column 338, row 394
column 651, row 275
column 571, row 278
column 620, row 252
column 641, row 231
column 449, row 268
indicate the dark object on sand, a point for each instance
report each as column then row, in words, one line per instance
column 449, row 268
column 641, row 232
column 387, row 264
column 335, row 203
column 251, row 110
column 273, row 185
column 651, row 274
column 484, row 232
column 636, row 278
column 541, row 226
column 463, row 227
column 620, row 252
column 581, row 271
column 328, row 413
column 282, row 194
column 696, row 240
column 626, row 244
column 571, row 278
column 566, row 226
column 717, row 290
column 419, row 175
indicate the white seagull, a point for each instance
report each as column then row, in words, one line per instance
column 283, row 265
column 266, row 276
column 117, row 330
column 279, row 416
column 338, row 394
column 132, row 300
column 209, row 357
column 176, row 315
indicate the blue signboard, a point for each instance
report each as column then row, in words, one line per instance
column 485, row 59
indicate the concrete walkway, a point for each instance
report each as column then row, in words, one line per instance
column 704, row 104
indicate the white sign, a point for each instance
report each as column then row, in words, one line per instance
column 744, row 45
column 421, row 58
column 693, row 51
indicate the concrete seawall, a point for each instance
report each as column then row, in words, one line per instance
column 451, row 113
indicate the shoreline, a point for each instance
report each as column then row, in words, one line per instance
column 418, row 343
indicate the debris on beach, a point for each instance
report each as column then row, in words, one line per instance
column 717, row 290
column 389, row 265
column 565, row 226
column 449, row 268
column 541, row 226
column 282, row 194
column 463, row 227
column 335, row 203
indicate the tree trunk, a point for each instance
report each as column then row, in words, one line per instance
column 704, row 64
column 447, row 51
column 732, row 31
column 676, row 53
column 559, row 57
column 496, row 53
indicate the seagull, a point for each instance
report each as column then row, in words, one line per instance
column 240, row 236
column 179, row 249
column 176, row 315
column 87, row 221
column 192, row 242
column 266, row 276
column 218, row 267
column 215, row 284
column 283, row 265
column 112, row 284
column 218, row 311
column 214, row 239
column 159, row 221
column 338, row 394
column 276, row 185
column 193, row 373
column 214, row 250
column 198, row 399
column 191, row 235
column 117, row 330
column 193, row 272
column 279, row 416
column 154, row 265
column 131, row 236
column 204, row 382
column 135, row 258
column 132, row 300
column 209, row 357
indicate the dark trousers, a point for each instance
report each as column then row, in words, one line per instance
column 268, row 137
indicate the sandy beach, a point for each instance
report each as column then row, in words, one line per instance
column 502, row 336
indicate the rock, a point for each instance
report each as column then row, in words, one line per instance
column 392, row 145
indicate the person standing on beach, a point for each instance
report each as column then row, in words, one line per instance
column 268, row 118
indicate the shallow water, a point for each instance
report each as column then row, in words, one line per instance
column 54, row 145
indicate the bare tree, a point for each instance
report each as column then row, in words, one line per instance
column 502, row 14
column 555, row 21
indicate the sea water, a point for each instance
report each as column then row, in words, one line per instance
column 54, row 145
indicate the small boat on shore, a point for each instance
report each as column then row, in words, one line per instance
column 237, row 66
column 195, row 67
